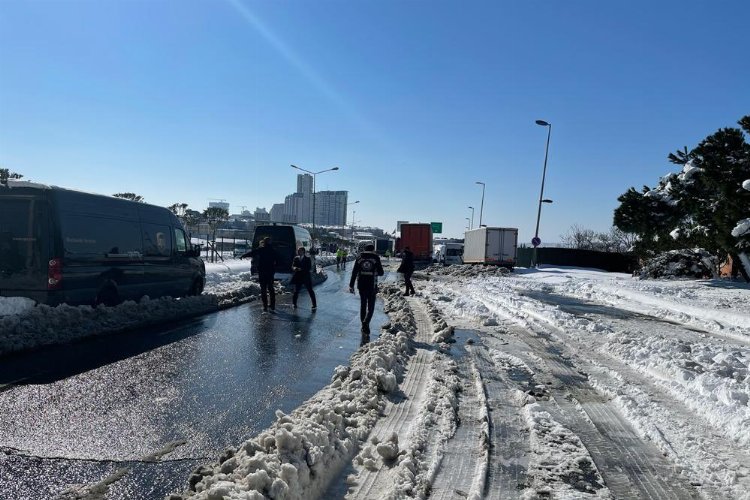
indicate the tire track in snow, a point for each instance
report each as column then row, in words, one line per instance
column 507, row 473
column 711, row 448
column 400, row 413
column 464, row 464
column 630, row 466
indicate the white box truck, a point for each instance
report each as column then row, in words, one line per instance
column 491, row 245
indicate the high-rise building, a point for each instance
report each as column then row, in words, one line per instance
column 304, row 183
column 277, row 213
column 296, row 207
column 330, row 208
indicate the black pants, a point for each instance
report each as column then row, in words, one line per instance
column 366, row 305
column 266, row 289
column 407, row 281
column 307, row 284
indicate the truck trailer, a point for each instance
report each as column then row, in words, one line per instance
column 418, row 237
column 491, row 245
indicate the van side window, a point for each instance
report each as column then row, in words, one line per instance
column 179, row 238
column 157, row 240
column 95, row 237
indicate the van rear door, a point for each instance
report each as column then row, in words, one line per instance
column 24, row 245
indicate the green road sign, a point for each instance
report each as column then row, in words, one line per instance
column 437, row 227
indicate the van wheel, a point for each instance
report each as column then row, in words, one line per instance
column 108, row 296
column 196, row 288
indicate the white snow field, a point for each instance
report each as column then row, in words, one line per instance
column 551, row 383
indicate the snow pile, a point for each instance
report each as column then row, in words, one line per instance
column 442, row 332
column 560, row 464
column 742, row 228
column 413, row 467
column 464, row 270
column 696, row 263
column 14, row 305
column 23, row 326
column 301, row 452
column 45, row 325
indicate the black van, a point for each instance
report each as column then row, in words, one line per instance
column 58, row 245
column 285, row 239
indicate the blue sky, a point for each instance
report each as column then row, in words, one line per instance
column 415, row 101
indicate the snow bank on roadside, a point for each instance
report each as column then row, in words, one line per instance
column 302, row 452
column 24, row 326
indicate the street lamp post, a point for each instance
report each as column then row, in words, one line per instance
column 536, row 241
column 468, row 220
column 314, row 174
column 481, row 207
column 471, row 226
column 352, row 203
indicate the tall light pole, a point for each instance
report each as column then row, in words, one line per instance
column 354, row 212
column 352, row 203
column 481, row 207
column 313, row 191
column 467, row 220
column 536, row 241
column 471, row 226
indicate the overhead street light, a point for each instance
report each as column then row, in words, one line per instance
column 314, row 174
column 481, row 207
column 471, row 226
column 536, row 241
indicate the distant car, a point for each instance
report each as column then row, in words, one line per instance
column 63, row 246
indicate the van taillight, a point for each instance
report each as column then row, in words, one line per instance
column 54, row 274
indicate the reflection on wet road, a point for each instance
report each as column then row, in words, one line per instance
column 74, row 415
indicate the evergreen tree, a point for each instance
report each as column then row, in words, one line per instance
column 712, row 199
column 699, row 206
column 130, row 196
column 6, row 174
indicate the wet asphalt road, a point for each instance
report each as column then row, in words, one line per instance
column 137, row 412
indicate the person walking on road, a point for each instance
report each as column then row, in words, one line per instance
column 344, row 255
column 264, row 259
column 366, row 270
column 339, row 257
column 302, row 265
column 407, row 268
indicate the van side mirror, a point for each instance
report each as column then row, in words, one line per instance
column 194, row 251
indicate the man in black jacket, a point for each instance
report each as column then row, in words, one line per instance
column 264, row 259
column 407, row 268
column 302, row 265
column 366, row 270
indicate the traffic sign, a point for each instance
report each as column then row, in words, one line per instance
column 536, row 241
column 437, row 227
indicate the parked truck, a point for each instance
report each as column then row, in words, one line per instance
column 491, row 245
column 418, row 237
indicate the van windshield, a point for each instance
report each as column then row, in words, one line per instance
column 23, row 230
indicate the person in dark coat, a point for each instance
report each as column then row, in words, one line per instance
column 366, row 270
column 264, row 259
column 302, row 265
column 407, row 268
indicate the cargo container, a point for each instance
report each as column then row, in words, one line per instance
column 491, row 245
column 418, row 237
